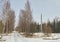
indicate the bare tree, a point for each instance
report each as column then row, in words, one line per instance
column 22, row 20
column 8, row 17
column 11, row 20
column 28, row 16
column 25, row 18
column 47, row 30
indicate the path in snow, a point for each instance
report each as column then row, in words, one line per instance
column 16, row 37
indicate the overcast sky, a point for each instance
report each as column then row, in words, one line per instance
column 49, row 8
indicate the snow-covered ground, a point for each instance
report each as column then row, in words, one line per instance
column 16, row 37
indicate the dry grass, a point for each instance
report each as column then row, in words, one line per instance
column 30, row 36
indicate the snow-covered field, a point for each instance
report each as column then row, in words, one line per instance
column 16, row 37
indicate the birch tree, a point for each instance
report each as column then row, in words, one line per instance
column 25, row 18
column 8, row 17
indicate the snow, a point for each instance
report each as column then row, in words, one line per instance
column 16, row 37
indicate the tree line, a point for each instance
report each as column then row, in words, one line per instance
column 26, row 23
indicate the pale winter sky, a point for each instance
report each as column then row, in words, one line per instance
column 49, row 8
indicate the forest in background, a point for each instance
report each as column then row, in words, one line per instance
column 26, row 22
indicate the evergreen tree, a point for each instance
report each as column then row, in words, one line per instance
column 53, row 26
column 1, row 26
column 58, row 27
